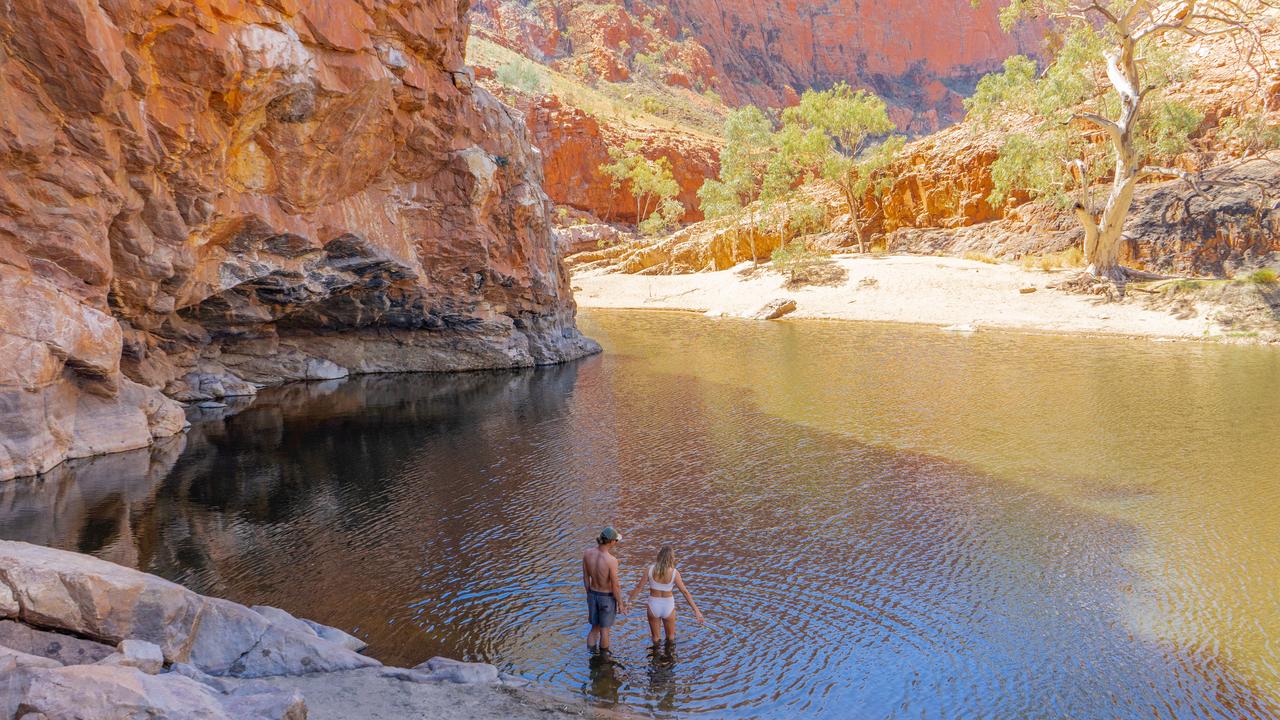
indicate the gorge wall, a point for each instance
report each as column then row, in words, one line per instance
column 198, row 198
column 922, row 57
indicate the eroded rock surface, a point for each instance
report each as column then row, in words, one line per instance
column 201, row 197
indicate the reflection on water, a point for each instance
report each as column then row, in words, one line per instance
column 879, row 521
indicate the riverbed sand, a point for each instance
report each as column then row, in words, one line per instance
column 944, row 291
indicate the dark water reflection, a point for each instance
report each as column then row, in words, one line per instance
column 446, row 514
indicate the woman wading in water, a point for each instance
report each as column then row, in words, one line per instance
column 662, row 578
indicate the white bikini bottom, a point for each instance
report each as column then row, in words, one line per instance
column 662, row 607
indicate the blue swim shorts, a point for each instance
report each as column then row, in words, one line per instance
column 602, row 608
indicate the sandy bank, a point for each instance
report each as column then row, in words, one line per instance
column 930, row 290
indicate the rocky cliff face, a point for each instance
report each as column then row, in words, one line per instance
column 199, row 197
column 921, row 56
column 575, row 145
column 941, row 183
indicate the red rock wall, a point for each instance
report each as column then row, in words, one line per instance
column 907, row 50
column 921, row 55
column 574, row 145
column 196, row 196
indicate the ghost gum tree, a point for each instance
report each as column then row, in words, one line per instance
column 1098, row 107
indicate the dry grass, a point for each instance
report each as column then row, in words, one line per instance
column 1265, row 276
column 638, row 102
column 1072, row 257
column 979, row 257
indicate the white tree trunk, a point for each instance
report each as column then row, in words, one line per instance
column 1103, row 235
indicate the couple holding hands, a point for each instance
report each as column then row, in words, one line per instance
column 604, row 591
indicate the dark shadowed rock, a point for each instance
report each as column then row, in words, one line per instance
column 63, row 648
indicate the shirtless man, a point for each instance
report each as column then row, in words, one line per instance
column 604, row 592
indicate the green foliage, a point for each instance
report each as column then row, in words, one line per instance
column 748, row 135
column 649, row 64
column 828, row 134
column 1168, row 129
column 717, row 199
column 667, row 216
column 806, row 219
column 1250, row 131
column 522, row 75
column 652, row 184
column 1048, row 151
column 848, row 118
column 795, row 258
column 653, row 106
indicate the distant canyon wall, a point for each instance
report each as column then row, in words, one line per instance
column 199, row 198
column 922, row 56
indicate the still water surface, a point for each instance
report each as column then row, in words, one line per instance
column 879, row 521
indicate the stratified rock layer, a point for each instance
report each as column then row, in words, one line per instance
column 198, row 197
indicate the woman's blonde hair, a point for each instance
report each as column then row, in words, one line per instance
column 665, row 566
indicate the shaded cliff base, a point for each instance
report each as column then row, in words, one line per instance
column 83, row 637
column 958, row 294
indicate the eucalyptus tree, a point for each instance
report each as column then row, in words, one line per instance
column 1100, row 108
column 835, row 133
column 744, row 160
column 652, row 184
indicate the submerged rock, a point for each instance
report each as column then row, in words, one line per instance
column 445, row 670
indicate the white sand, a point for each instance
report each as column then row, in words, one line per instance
column 942, row 291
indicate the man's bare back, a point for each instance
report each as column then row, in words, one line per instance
column 604, row 591
column 599, row 570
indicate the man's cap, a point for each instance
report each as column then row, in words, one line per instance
column 609, row 534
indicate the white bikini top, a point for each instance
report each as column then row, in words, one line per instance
column 662, row 587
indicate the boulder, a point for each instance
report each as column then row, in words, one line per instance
column 138, row 654
column 23, row 660
column 446, row 670
column 110, row 603
column 332, row 634
column 774, row 309
column 91, row 692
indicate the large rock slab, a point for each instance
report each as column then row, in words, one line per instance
column 93, row 692
column 110, row 603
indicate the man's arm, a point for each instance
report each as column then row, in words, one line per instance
column 616, row 586
column 586, row 574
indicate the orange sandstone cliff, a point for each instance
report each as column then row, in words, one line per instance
column 922, row 57
column 199, row 197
